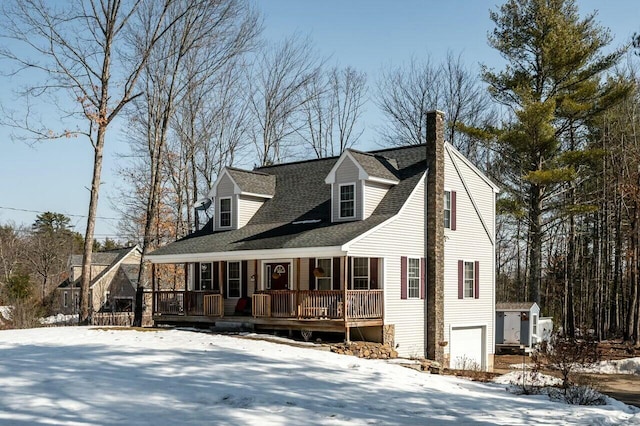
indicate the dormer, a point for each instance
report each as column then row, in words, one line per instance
column 237, row 195
column 359, row 181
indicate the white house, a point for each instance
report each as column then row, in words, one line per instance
column 395, row 246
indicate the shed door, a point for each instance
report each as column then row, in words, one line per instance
column 467, row 348
column 511, row 328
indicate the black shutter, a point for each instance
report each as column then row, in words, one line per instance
column 476, row 278
column 423, row 278
column 244, row 280
column 453, row 210
column 312, row 277
column 223, row 284
column 336, row 273
column 403, row 277
column 373, row 273
column 196, row 277
column 460, row 279
column 215, row 276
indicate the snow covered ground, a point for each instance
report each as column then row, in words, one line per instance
column 618, row 366
column 85, row 376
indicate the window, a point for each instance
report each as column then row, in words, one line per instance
column 225, row 212
column 347, row 201
column 413, row 278
column 205, row 277
column 534, row 326
column 323, row 278
column 360, row 273
column 233, row 279
column 65, row 298
column 447, row 209
column 469, row 279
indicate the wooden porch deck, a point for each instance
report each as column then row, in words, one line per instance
column 314, row 310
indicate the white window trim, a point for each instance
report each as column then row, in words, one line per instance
column 464, row 279
column 328, row 274
column 447, row 191
column 353, row 275
column 65, row 299
column 355, row 204
column 239, row 279
column 220, row 212
column 409, row 277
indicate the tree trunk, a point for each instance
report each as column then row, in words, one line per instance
column 85, row 280
column 535, row 236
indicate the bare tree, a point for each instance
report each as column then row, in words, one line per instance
column 203, row 41
column 82, row 49
column 334, row 106
column 281, row 74
column 407, row 92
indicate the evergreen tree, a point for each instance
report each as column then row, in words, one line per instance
column 552, row 83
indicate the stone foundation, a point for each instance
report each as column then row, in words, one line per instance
column 365, row 350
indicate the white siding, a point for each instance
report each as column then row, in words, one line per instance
column 225, row 189
column 247, row 207
column 347, row 172
column 373, row 194
column 402, row 236
column 469, row 242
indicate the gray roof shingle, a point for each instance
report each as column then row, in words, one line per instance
column 301, row 195
column 253, row 182
column 375, row 165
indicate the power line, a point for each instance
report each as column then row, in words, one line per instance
column 15, row 209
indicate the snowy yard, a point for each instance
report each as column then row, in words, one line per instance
column 84, row 376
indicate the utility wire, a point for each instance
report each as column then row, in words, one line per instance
column 66, row 214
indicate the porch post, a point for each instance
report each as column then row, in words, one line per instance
column 153, row 289
column 298, row 311
column 345, row 277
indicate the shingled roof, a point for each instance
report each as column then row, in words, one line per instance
column 375, row 165
column 299, row 214
column 253, row 182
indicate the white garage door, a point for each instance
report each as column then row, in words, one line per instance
column 467, row 348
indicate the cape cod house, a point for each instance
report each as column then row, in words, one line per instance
column 395, row 246
column 114, row 278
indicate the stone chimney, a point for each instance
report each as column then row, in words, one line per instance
column 434, row 237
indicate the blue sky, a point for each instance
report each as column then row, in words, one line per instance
column 365, row 34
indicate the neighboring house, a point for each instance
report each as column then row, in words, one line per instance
column 114, row 278
column 338, row 244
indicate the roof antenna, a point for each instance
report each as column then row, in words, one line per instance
column 201, row 204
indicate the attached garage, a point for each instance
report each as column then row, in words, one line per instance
column 467, row 348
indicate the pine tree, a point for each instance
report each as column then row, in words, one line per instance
column 552, row 83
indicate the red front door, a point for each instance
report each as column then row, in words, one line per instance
column 277, row 276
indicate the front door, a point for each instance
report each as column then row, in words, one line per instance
column 277, row 275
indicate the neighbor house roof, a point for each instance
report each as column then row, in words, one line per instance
column 99, row 258
column 299, row 214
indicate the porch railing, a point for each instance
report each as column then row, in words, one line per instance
column 180, row 302
column 318, row 304
column 213, row 305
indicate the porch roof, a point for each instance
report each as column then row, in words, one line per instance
column 299, row 214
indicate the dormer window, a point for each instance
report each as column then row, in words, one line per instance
column 347, row 201
column 225, row 212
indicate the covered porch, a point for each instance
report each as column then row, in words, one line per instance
column 325, row 294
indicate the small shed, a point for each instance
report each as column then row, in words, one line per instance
column 517, row 324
